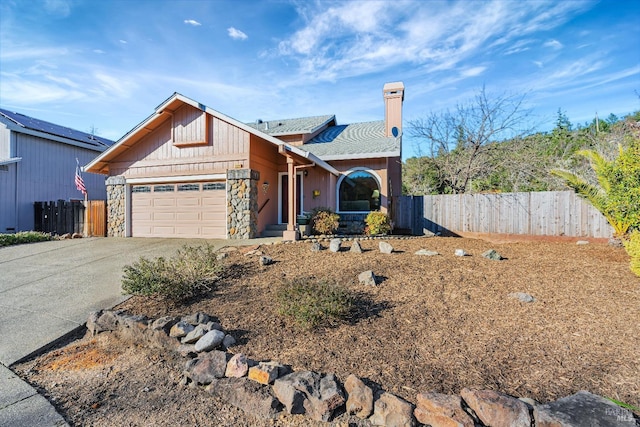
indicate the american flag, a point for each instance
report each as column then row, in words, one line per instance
column 79, row 181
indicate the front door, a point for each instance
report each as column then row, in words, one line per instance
column 284, row 197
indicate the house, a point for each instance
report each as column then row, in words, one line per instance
column 191, row 171
column 38, row 163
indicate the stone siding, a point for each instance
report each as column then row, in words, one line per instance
column 242, row 203
column 116, row 193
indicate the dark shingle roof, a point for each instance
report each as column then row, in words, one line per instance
column 56, row 130
column 356, row 140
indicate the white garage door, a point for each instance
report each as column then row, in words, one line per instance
column 179, row 210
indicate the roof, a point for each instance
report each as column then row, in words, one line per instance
column 354, row 141
column 302, row 125
column 31, row 123
column 99, row 164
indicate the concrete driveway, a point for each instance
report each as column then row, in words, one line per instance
column 48, row 289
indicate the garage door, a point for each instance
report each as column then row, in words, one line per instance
column 179, row 210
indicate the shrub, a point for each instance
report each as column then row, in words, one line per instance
column 191, row 271
column 377, row 223
column 632, row 245
column 324, row 221
column 23, row 237
column 310, row 303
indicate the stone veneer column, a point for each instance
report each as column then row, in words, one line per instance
column 242, row 203
column 116, row 193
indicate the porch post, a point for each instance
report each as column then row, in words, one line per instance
column 291, row 233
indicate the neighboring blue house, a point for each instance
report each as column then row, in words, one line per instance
column 38, row 163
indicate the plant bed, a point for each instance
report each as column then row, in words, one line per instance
column 437, row 323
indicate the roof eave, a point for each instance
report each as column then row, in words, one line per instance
column 356, row 156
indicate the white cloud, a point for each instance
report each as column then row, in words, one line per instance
column 538, row 64
column 472, row 72
column 59, row 8
column 123, row 41
column 192, row 22
column 99, row 51
column 553, row 44
column 113, row 86
column 236, row 34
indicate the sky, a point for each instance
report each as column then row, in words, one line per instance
column 104, row 65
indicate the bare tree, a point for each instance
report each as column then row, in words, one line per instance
column 462, row 142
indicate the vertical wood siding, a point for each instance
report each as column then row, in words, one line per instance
column 549, row 213
column 46, row 172
column 156, row 155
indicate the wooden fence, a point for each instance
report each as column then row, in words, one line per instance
column 549, row 213
column 61, row 217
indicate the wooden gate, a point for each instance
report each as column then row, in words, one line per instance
column 97, row 219
column 62, row 217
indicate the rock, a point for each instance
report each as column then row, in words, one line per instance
column 582, row 242
column 360, row 397
column 65, row 236
column 181, row 329
column 228, row 341
column 264, row 373
column 133, row 328
column 102, row 321
column 222, row 256
column 492, row 254
column 253, row 398
column 207, row 367
column 309, row 393
column 367, row 278
column 390, row 410
column 265, row 260
column 334, row 245
column 439, row 409
column 254, row 252
column 193, row 336
column 237, row 366
column 523, row 297
column 582, row 409
column 356, row 248
column 187, row 350
column 210, row 340
column 210, row 326
column 316, row 247
column 164, row 323
column 385, row 247
column 497, row 409
column 76, row 236
column 197, row 318
column 460, row 252
column 426, row 252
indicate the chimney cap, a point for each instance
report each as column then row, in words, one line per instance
column 393, row 86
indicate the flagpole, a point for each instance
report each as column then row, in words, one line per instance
column 86, row 215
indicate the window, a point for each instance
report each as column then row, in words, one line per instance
column 189, row 187
column 163, row 188
column 214, row 186
column 141, row 189
column 359, row 192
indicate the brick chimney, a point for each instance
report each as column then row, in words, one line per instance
column 393, row 96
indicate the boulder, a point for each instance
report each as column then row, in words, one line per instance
column 102, row 321
column 265, row 260
column 193, row 336
column 181, row 329
column 228, row 341
column 385, row 247
column 390, row 410
column 334, row 245
column 522, row 297
column 367, row 278
column 237, row 366
column 197, row 318
column 264, row 372
column 497, row 409
column 356, row 248
column 492, row 254
column 316, row 247
column 582, row 409
column 210, row 326
column 443, row 410
column 164, row 323
column 360, row 397
column 210, row 340
column 425, row 252
column 309, row 393
column 207, row 367
column 460, row 252
column 254, row 399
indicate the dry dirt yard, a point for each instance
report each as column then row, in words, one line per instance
column 433, row 323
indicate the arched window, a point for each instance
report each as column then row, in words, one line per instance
column 359, row 191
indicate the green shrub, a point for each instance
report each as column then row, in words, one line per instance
column 632, row 245
column 311, row 303
column 324, row 221
column 23, row 237
column 377, row 223
column 191, row 271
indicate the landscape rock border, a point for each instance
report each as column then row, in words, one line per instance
column 270, row 388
